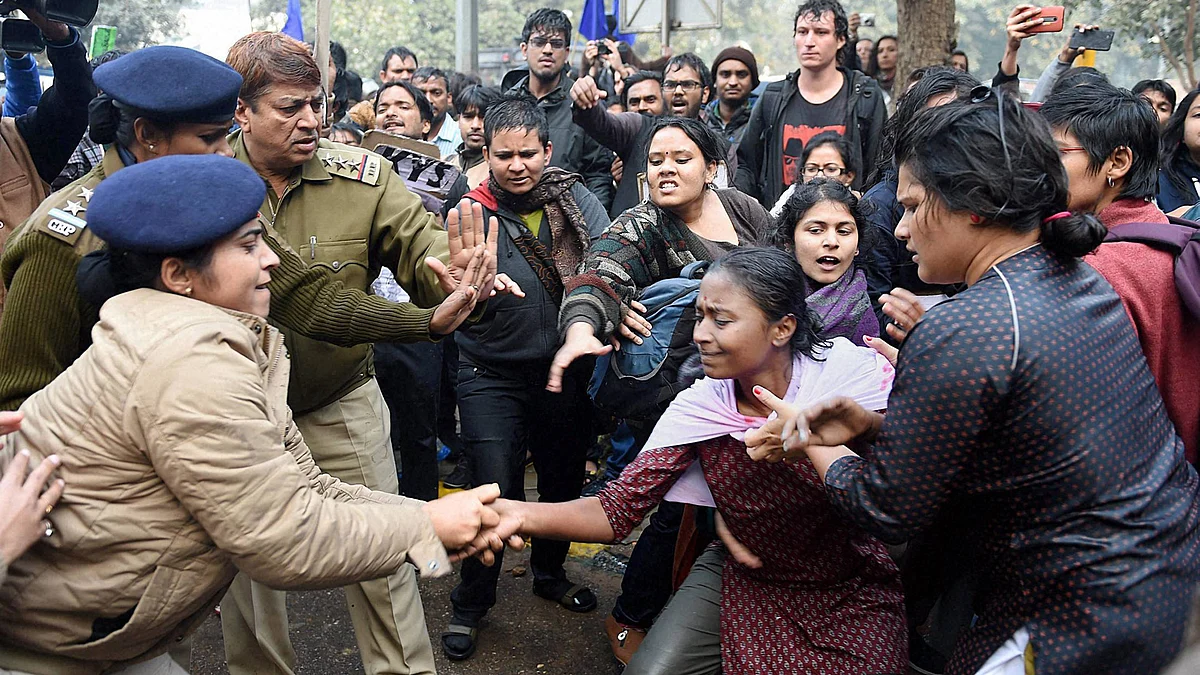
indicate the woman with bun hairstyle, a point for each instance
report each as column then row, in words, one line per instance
column 1023, row 402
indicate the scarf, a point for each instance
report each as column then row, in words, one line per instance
column 1124, row 211
column 568, row 233
column 845, row 307
column 708, row 409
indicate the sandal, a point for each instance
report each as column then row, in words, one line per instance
column 574, row 597
column 459, row 641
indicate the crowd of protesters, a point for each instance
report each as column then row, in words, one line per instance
column 920, row 358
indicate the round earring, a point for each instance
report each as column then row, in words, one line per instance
column 188, row 291
column 1111, row 182
column 856, row 254
column 151, row 147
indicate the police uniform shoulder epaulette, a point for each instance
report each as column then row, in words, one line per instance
column 355, row 164
column 66, row 221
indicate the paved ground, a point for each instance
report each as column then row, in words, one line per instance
column 524, row 634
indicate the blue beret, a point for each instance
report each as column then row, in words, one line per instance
column 176, row 203
column 172, row 83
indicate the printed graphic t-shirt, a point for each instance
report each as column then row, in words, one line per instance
column 803, row 120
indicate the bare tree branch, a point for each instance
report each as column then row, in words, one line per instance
column 1189, row 54
column 1171, row 58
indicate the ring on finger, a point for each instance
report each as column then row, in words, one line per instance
column 47, row 528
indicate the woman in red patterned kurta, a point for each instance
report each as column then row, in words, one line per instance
column 826, row 598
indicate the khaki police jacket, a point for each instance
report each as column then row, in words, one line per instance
column 183, row 465
column 346, row 212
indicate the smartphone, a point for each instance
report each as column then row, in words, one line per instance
column 1052, row 20
column 867, row 20
column 1095, row 40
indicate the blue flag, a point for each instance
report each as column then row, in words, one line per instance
column 295, row 25
column 595, row 23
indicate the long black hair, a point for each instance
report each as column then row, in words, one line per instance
column 774, row 281
column 873, row 65
column 997, row 160
column 1174, row 151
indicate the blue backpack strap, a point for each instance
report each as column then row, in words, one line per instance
column 694, row 270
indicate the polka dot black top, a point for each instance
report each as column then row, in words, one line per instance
column 1025, row 404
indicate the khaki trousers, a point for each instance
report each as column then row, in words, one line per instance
column 350, row 440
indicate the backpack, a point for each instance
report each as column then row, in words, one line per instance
column 1180, row 238
column 640, row 381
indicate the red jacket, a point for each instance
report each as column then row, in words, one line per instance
column 1170, row 336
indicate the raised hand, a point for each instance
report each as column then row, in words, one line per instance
column 1069, row 53
column 580, row 341
column 465, row 231
column 458, row 305
column 1020, row 20
column 585, row 94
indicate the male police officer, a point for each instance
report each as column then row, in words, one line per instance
column 345, row 212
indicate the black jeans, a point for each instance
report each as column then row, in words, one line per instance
column 410, row 376
column 503, row 415
column 447, row 423
column 648, row 581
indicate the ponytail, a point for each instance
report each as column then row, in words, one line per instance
column 1072, row 235
column 111, row 121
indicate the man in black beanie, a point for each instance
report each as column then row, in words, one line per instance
column 735, row 74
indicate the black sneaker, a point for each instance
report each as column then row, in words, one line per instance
column 459, row 478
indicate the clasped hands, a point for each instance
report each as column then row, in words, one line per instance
column 468, row 526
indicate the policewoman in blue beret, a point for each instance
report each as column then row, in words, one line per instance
column 182, row 461
column 160, row 102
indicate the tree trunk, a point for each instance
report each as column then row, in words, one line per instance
column 927, row 36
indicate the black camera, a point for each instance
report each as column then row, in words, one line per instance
column 22, row 35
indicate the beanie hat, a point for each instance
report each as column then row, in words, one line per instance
column 738, row 54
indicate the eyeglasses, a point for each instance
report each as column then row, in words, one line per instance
column 686, row 85
column 1065, row 150
column 540, row 42
column 831, row 170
